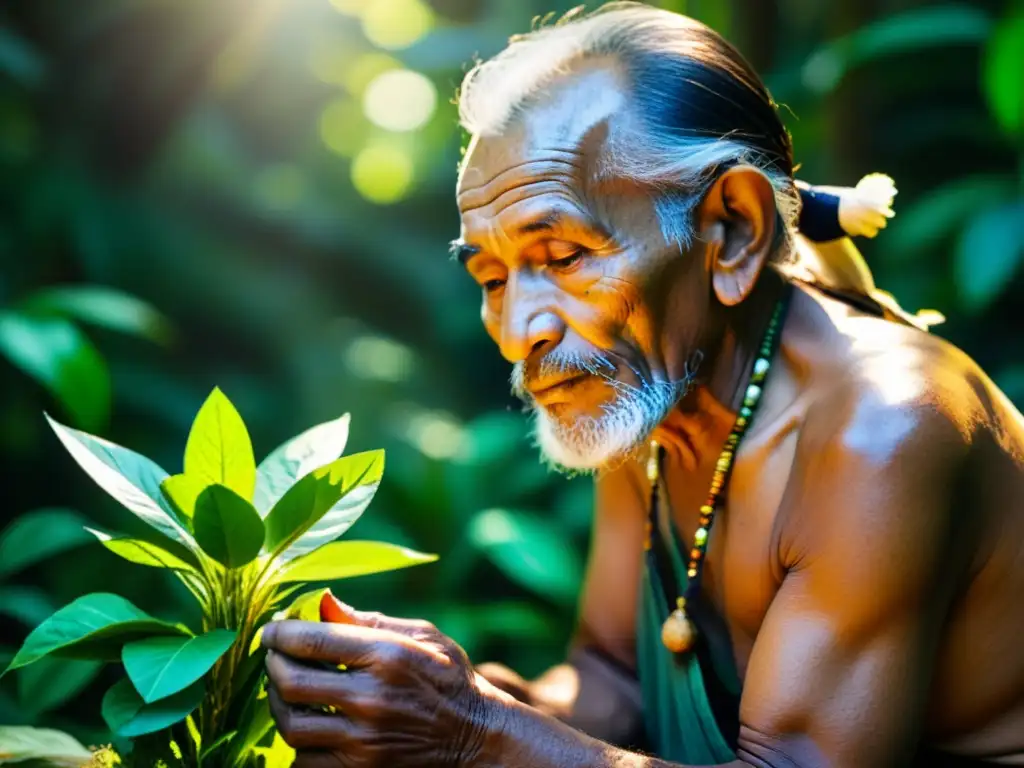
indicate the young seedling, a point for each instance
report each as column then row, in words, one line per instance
column 242, row 539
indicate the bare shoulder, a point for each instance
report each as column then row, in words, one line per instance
column 895, row 387
column 885, row 443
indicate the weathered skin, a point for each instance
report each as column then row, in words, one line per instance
column 869, row 561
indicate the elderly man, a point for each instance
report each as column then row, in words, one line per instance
column 808, row 543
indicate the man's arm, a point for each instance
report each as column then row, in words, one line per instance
column 596, row 690
column 841, row 667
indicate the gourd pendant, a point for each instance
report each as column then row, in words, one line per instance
column 678, row 633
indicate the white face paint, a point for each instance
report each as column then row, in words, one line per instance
column 587, row 443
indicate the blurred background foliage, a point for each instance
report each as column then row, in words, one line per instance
column 257, row 194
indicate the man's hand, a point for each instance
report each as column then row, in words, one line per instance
column 507, row 680
column 406, row 697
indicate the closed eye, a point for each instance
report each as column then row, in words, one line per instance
column 569, row 262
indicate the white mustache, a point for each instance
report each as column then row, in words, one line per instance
column 562, row 362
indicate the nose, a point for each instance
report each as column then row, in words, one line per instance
column 528, row 323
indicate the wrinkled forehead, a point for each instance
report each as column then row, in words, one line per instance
column 574, row 117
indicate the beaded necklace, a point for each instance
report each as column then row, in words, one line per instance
column 678, row 633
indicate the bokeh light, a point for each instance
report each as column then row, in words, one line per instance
column 396, row 24
column 351, row 7
column 437, row 434
column 331, row 61
column 400, row 100
column 343, row 127
column 382, row 173
column 361, row 72
column 375, row 357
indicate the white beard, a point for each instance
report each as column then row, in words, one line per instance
column 590, row 443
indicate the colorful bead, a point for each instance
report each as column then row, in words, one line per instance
column 678, row 633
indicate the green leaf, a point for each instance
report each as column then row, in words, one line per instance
column 193, row 731
column 29, row 605
column 38, row 535
column 129, row 716
column 161, row 666
column 296, row 458
column 129, row 477
column 1002, row 71
column 95, row 626
column 56, row 354
column 227, row 527
column 989, row 253
column 181, row 491
column 141, row 552
column 940, row 212
column 19, row 742
column 217, row 745
column 309, row 501
column 917, row 29
column 103, row 307
column 51, row 682
column 255, row 723
column 305, row 607
column 218, row 448
column 346, row 559
column 277, row 755
column 530, row 551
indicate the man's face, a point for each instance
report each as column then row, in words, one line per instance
column 580, row 289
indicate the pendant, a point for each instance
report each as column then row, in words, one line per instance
column 678, row 633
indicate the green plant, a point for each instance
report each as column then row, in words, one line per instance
column 241, row 539
column 40, row 336
column 36, row 536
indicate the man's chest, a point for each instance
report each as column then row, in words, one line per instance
column 742, row 568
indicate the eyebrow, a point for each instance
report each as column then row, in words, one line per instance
column 543, row 223
column 462, row 251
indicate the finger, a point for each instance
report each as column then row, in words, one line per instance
column 355, row 647
column 504, row 679
column 308, row 758
column 335, row 643
column 301, row 684
column 334, row 610
column 354, row 694
column 302, row 728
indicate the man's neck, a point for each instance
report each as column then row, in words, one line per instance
column 696, row 427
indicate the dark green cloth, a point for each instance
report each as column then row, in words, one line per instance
column 677, row 689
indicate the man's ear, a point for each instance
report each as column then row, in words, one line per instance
column 739, row 215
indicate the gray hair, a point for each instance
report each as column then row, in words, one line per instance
column 701, row 107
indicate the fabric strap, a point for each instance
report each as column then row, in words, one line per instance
column 690, row 701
